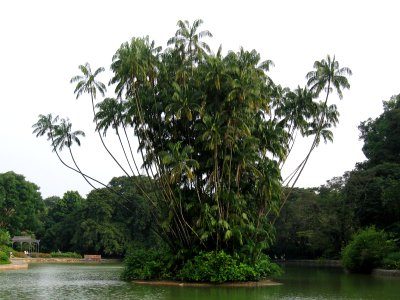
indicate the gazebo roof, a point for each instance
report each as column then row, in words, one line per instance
column 24, row 239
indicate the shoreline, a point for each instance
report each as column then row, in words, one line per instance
column 327, row 263
column 23, row 264
column 260, row 283
column 14, row 266
column 60, row 260
column 310, row 262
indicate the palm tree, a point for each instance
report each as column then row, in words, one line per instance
column 188, row 40
column 179, row 164
column 64, row 136
column 182, row 104
column 110, row 114
column 327, row 73
column 326, row 76
column 88, row 84
column 45, row 125
column 298, row 109
column 136, row 67
column 215, row 70
column 48, row 125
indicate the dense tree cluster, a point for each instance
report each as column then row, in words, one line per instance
column 103, row 223
column 21, row 205
column 374, row 186
column 213, row 131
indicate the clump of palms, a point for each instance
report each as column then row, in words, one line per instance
column 214, row 132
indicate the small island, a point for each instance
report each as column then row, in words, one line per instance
column 203, row 200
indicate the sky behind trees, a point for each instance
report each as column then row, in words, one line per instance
column 43, row 42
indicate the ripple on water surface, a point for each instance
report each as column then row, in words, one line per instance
column 93, row 281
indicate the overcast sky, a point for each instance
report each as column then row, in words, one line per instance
column 43, row 42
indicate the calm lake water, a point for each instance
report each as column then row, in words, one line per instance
column 56, row 281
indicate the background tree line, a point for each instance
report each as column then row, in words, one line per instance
column 319, row 222
column 103, row 222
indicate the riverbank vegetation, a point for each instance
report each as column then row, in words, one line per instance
column 214, row 131
column 4, row 249
column 367, row 250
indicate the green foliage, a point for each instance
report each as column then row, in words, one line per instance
column 65, row 255
column 151, row 263
column 374, row 195
column 108, row 222
column 382, row 135
column 366, row 250
column 215, row 129
column 6, row 249
column 315, row 223
column 216, row 267
column 61, row 222
column 220, row 267
column 392, row 261
column 372, row 190
column 21, row 205
column 5, row 238
column 4, row 259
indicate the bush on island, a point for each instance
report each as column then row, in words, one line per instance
column 366, row 250
column 220, row 267
column 146, row 264
column 214, row 266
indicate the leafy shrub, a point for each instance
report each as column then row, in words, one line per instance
column 65, row 255
column 366, row 250
column 220, row 267
column 5, row 238
column 6, row 249
column 392, row 261
column 4, row 258
column 216, row 267
column 142, row 263
column 265, row 268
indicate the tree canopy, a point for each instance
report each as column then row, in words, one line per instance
column 373, row 188
column 21, row 205
column 381, row 136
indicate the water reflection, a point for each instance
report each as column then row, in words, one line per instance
column 102, row 282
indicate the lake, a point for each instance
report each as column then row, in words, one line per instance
column 101, row 281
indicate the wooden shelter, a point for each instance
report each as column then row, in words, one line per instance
column 26, row 243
